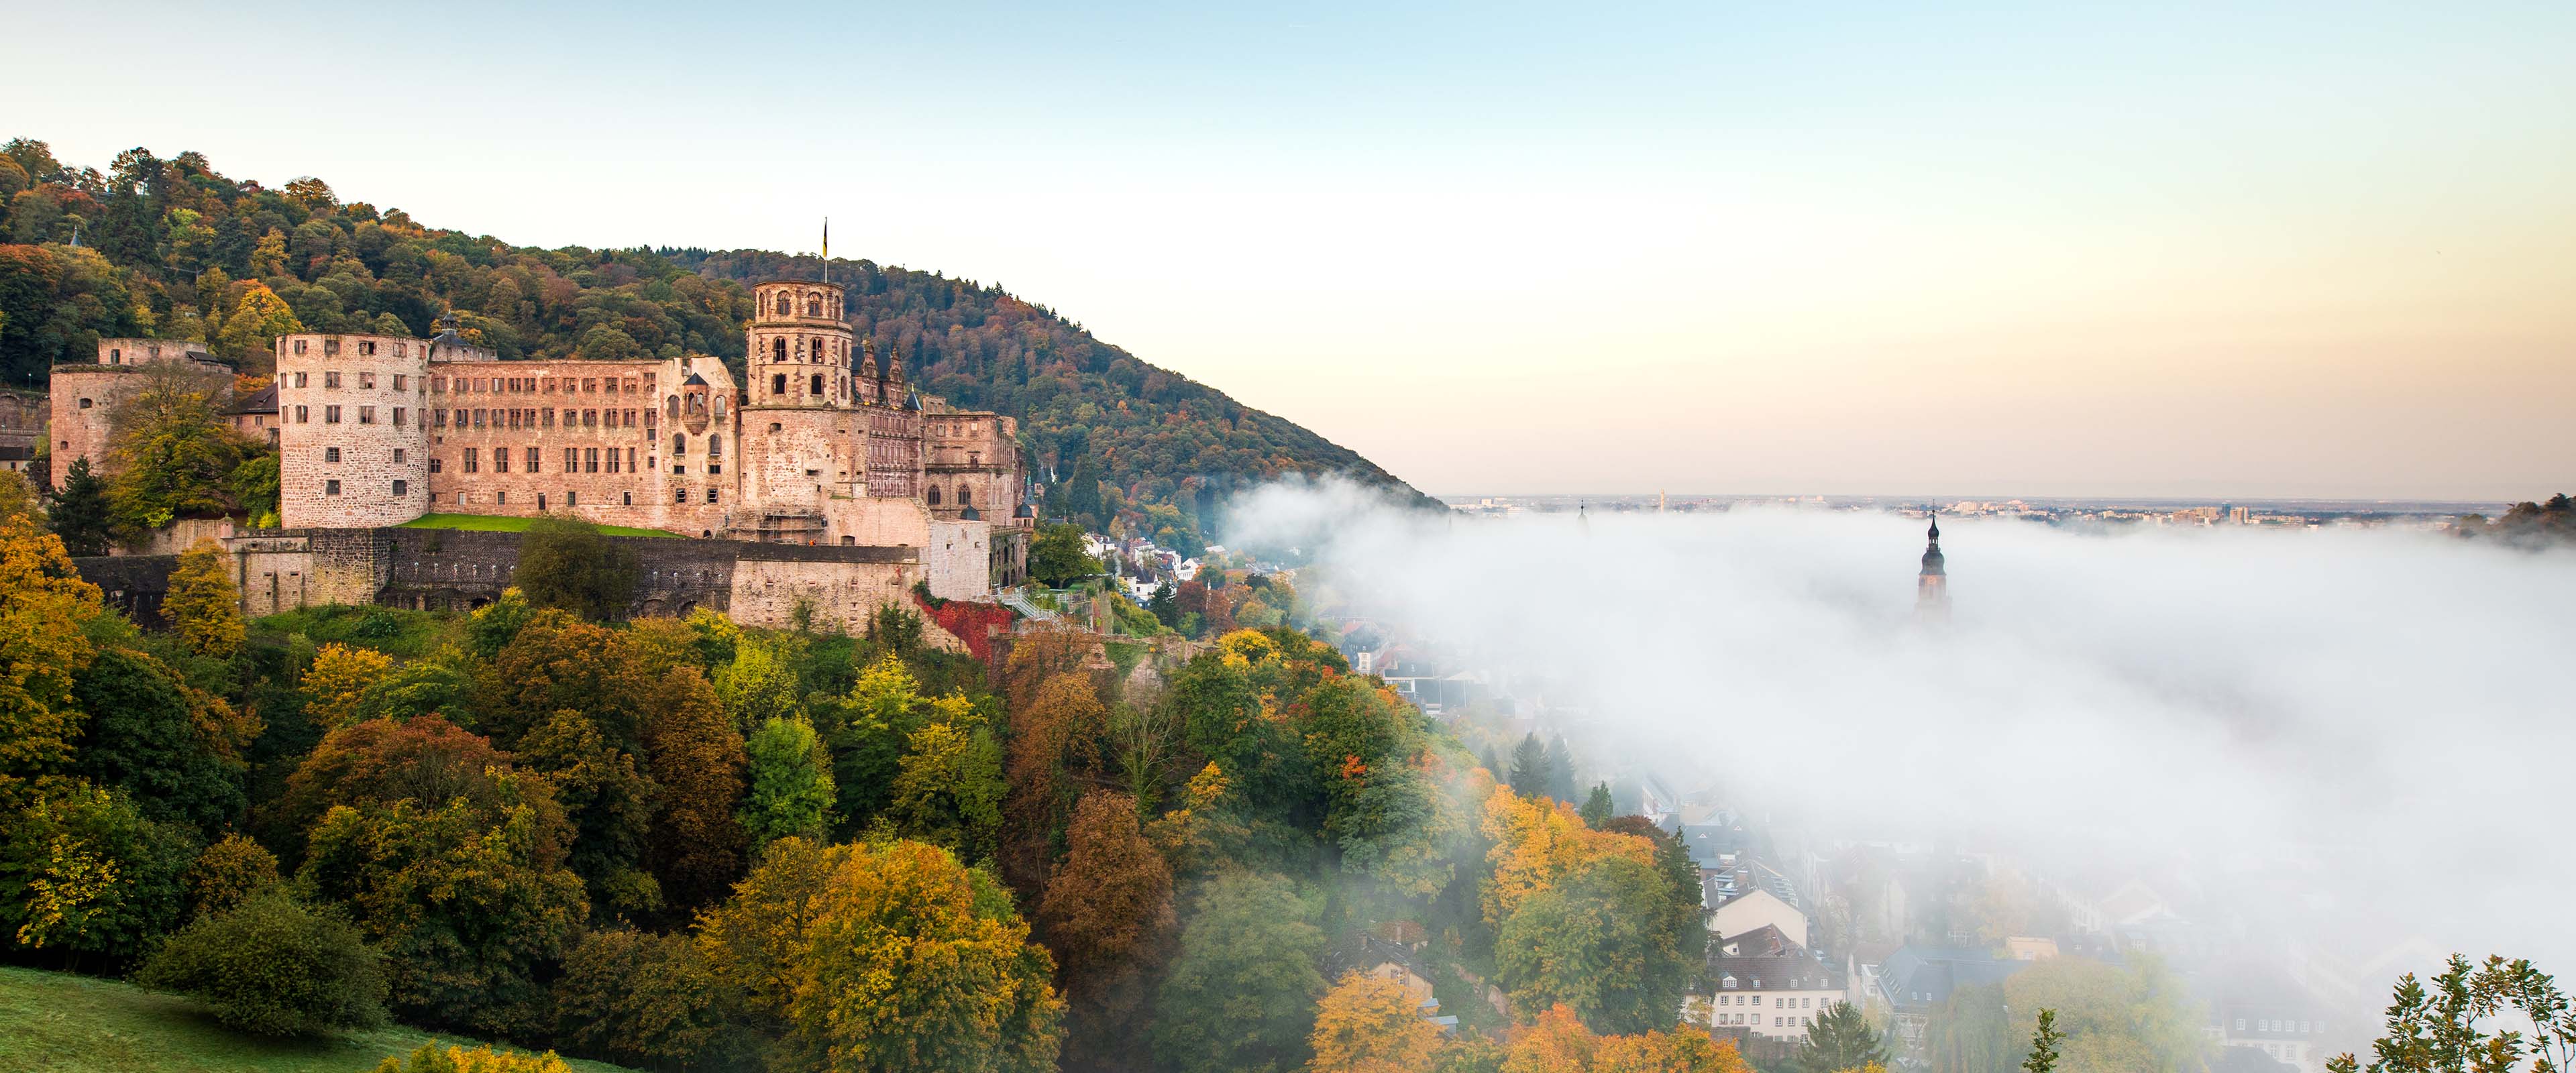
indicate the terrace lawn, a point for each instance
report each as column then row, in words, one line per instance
column 496, row 523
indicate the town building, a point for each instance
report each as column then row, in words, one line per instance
column 1769, row 986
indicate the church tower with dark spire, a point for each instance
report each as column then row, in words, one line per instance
column 1932, row 586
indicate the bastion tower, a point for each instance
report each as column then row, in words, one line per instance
column 800, row 414
column 352, row 444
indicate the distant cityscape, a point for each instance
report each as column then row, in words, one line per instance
column 2105, row 511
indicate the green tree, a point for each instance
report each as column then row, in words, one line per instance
column 272, row 967
column 1597, row 808
column 1839, row 1039
column 1166, row 608
column 759, row 685
column 82, row 872
column 1594, row 942
column 566, row 563
column 2043, row 1044
column 177, row 453
column 1971, row 1033
column 203, row 606
column 1240, row 995
column 78, row 512
column 2445, row 1028
column 643, row 999
column 145, row 736
column 1057, row 558
column 1531, row 773
column 949, row 791
column 1560, row 771
column 791, row 783
column 697, row 762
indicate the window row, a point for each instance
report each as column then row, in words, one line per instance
column 331, row 379
column 401, row 487
column 540, row 418
column 532, row 460
column 539, row 385
column 366, row 347
column 331, row 455
column 808, row 350
column 303, row 415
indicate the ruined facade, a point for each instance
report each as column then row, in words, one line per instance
column 85, row 398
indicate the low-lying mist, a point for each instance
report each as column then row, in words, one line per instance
column 2349, row 736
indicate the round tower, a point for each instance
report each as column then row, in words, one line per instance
column 798, row 450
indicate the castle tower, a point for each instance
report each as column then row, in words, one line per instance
column 802, row 450
column 1932, row 586
column 352, row 449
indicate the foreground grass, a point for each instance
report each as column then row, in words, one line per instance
column 60, row 1023
column 499, row 523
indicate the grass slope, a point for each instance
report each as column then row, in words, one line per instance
column 61, row 1023
column 496, row 523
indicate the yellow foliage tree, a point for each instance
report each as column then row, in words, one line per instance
column 258, row 319
column 44, row 610
column 431, row 1059
column 1367, row 1024
column 1538, row 841
column 202, row 605
column 339, row 676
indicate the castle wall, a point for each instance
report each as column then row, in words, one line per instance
column 134, row 584
column 959, row 560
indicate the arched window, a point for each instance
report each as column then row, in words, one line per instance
column 818, row 385
column 965, row 496
column 934, row 495
column 679, row 444
column 671, row 407
column 783, row 308
column 715, row 446
column 814, row 306
column 778, row 347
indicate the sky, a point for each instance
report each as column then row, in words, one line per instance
column 2224, row 250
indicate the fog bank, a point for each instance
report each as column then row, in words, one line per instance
column 2378, row 718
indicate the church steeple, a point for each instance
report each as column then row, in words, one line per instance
column 1932, row 586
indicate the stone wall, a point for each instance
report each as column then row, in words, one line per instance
column 134, row 584
column 351, row 447
column 960, row 560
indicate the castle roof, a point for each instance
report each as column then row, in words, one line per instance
column 694, row 380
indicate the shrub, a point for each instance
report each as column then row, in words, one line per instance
column 273, row 967
column 430, row 1059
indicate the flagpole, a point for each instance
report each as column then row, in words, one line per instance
column 827, row 249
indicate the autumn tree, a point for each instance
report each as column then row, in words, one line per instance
column 2451, row 1025
column 791, row 783
column 1241, row 993
column 556, row 662
column 82, row 872
column 1368, row 1024
column 45, row 609
column 338, row 679
column 203, row 605
column 269, row 966
column 697, row 763
column 227, row 873
column 1055, row 753
column 759, row 685
column 609, row 803
column 644, row 999
column 256, row 321
column 567, row 563
column 1108, row 917
column 948, row 791
column 890, row 957
column 174, row 452
column 426, row 761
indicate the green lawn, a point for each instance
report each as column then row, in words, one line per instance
column 391, row 630
column 61, row 1023
column 501, row 523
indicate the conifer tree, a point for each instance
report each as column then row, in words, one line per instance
column 79, row 511
column 1596, row 808
column 1841, row 1038
column 1560, row 770
column 1530, row 774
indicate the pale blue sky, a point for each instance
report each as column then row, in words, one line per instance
column 2323, row 249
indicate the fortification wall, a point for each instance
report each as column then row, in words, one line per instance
column 134, row 584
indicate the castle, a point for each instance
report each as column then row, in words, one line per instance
column 826, row 445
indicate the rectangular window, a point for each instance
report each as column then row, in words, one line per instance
column 479, row 416
column 590, row 460
column 500, row 460
column 473, row 460
column 590, row 385
column 299, row 346
column 330, row 415
column 330, row 454
column 301, row 379
column 711, row 495
column 612, row 460
column 590, row 419
column 331, row 378
column 366, row 415
column 438, row 385
column 572, row 460
column 401, row 382
column 303, row 416
column 630, row 461
column 436, row 464
column 401, row 487
column 399, row 455
column 501, row 497
column 367, row 380
column 330, row 488
column 439, row 416
column 533, row 457
column 679, row 495
column 572, row 499
column 398, row 417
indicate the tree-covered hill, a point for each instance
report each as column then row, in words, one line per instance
column 174, row 249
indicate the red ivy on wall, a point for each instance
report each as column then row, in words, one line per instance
column 968, row 621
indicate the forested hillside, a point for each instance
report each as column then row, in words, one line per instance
column 172, row 248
